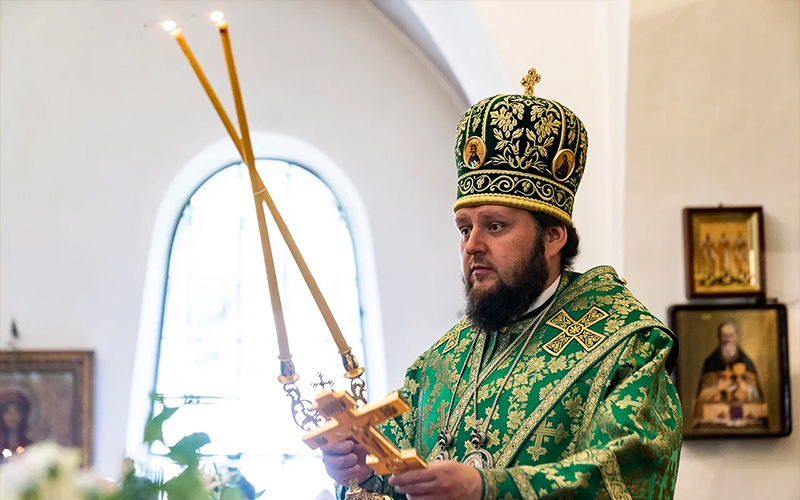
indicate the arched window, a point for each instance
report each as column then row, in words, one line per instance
column 218, row 338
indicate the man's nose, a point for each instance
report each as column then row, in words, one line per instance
column 476, row 244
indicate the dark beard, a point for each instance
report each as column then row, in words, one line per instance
column 497, row 307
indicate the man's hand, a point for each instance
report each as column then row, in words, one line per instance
column 345, row 460
column 441, row 481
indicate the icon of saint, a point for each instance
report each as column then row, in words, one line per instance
column 15, row 409
column 474, row 161
column 728, row 377
column 563, row 168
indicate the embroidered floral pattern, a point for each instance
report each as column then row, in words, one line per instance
column 523, row 135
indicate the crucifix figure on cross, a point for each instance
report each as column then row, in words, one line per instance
column 347, row 421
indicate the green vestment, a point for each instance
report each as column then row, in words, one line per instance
column 588, row 412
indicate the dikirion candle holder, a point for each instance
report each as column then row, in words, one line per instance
column 334, row 416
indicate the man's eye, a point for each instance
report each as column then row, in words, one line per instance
column 495, row 226
column 464, row 231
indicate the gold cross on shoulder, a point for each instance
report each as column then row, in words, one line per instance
column 450, row 339
column 575, row 330
column 346, row 420
column 531, row 79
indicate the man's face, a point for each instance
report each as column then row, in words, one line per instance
column 503, row 263
column 495, row 241
column 728, row 336
column 473, row 148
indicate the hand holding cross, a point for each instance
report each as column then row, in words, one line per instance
column 346, row 420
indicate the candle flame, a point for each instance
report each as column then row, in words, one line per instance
column 7, row 453
column 169, row 25
column 217, row 16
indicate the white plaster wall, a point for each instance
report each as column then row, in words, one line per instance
column 580, row 49
column 98, row 114
column 714, row 117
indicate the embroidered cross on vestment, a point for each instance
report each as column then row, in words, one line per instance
column 575, row 330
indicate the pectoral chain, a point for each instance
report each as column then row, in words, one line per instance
column 478, row 456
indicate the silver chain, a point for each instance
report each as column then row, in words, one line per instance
column 478, row 434
column 444, row 440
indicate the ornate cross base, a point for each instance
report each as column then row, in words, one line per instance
column 355, row 492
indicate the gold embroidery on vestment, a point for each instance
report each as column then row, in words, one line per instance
column 450, row 339
column 599, row 384
column 575, row 330
column 490, row 489
column 523, row 483
column 540, row 436
column 533, row 420
column 612, row 476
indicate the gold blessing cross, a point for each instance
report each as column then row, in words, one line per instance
column 346, row 420
column 575, row 330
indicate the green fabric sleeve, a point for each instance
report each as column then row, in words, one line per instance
column 632, row 446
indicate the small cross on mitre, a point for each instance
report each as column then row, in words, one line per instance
column 531, row 79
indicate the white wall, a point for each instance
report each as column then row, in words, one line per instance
column 98, row 114
column 714, row 117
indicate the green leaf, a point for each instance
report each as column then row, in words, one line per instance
column 186, row 451
column 153, row 430
column 229, row 493
column 188, row 485
column 138, row 488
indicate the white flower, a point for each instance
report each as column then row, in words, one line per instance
column 43, row 465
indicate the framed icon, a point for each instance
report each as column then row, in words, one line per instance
column 724, row 251
column 46, row 395
column 732, row 370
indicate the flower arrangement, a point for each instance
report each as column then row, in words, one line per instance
column 47, row 471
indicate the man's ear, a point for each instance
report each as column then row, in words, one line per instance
column 555, row 237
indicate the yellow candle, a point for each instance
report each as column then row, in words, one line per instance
column 177, row 34
column 246, row 154
column 260, row 191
